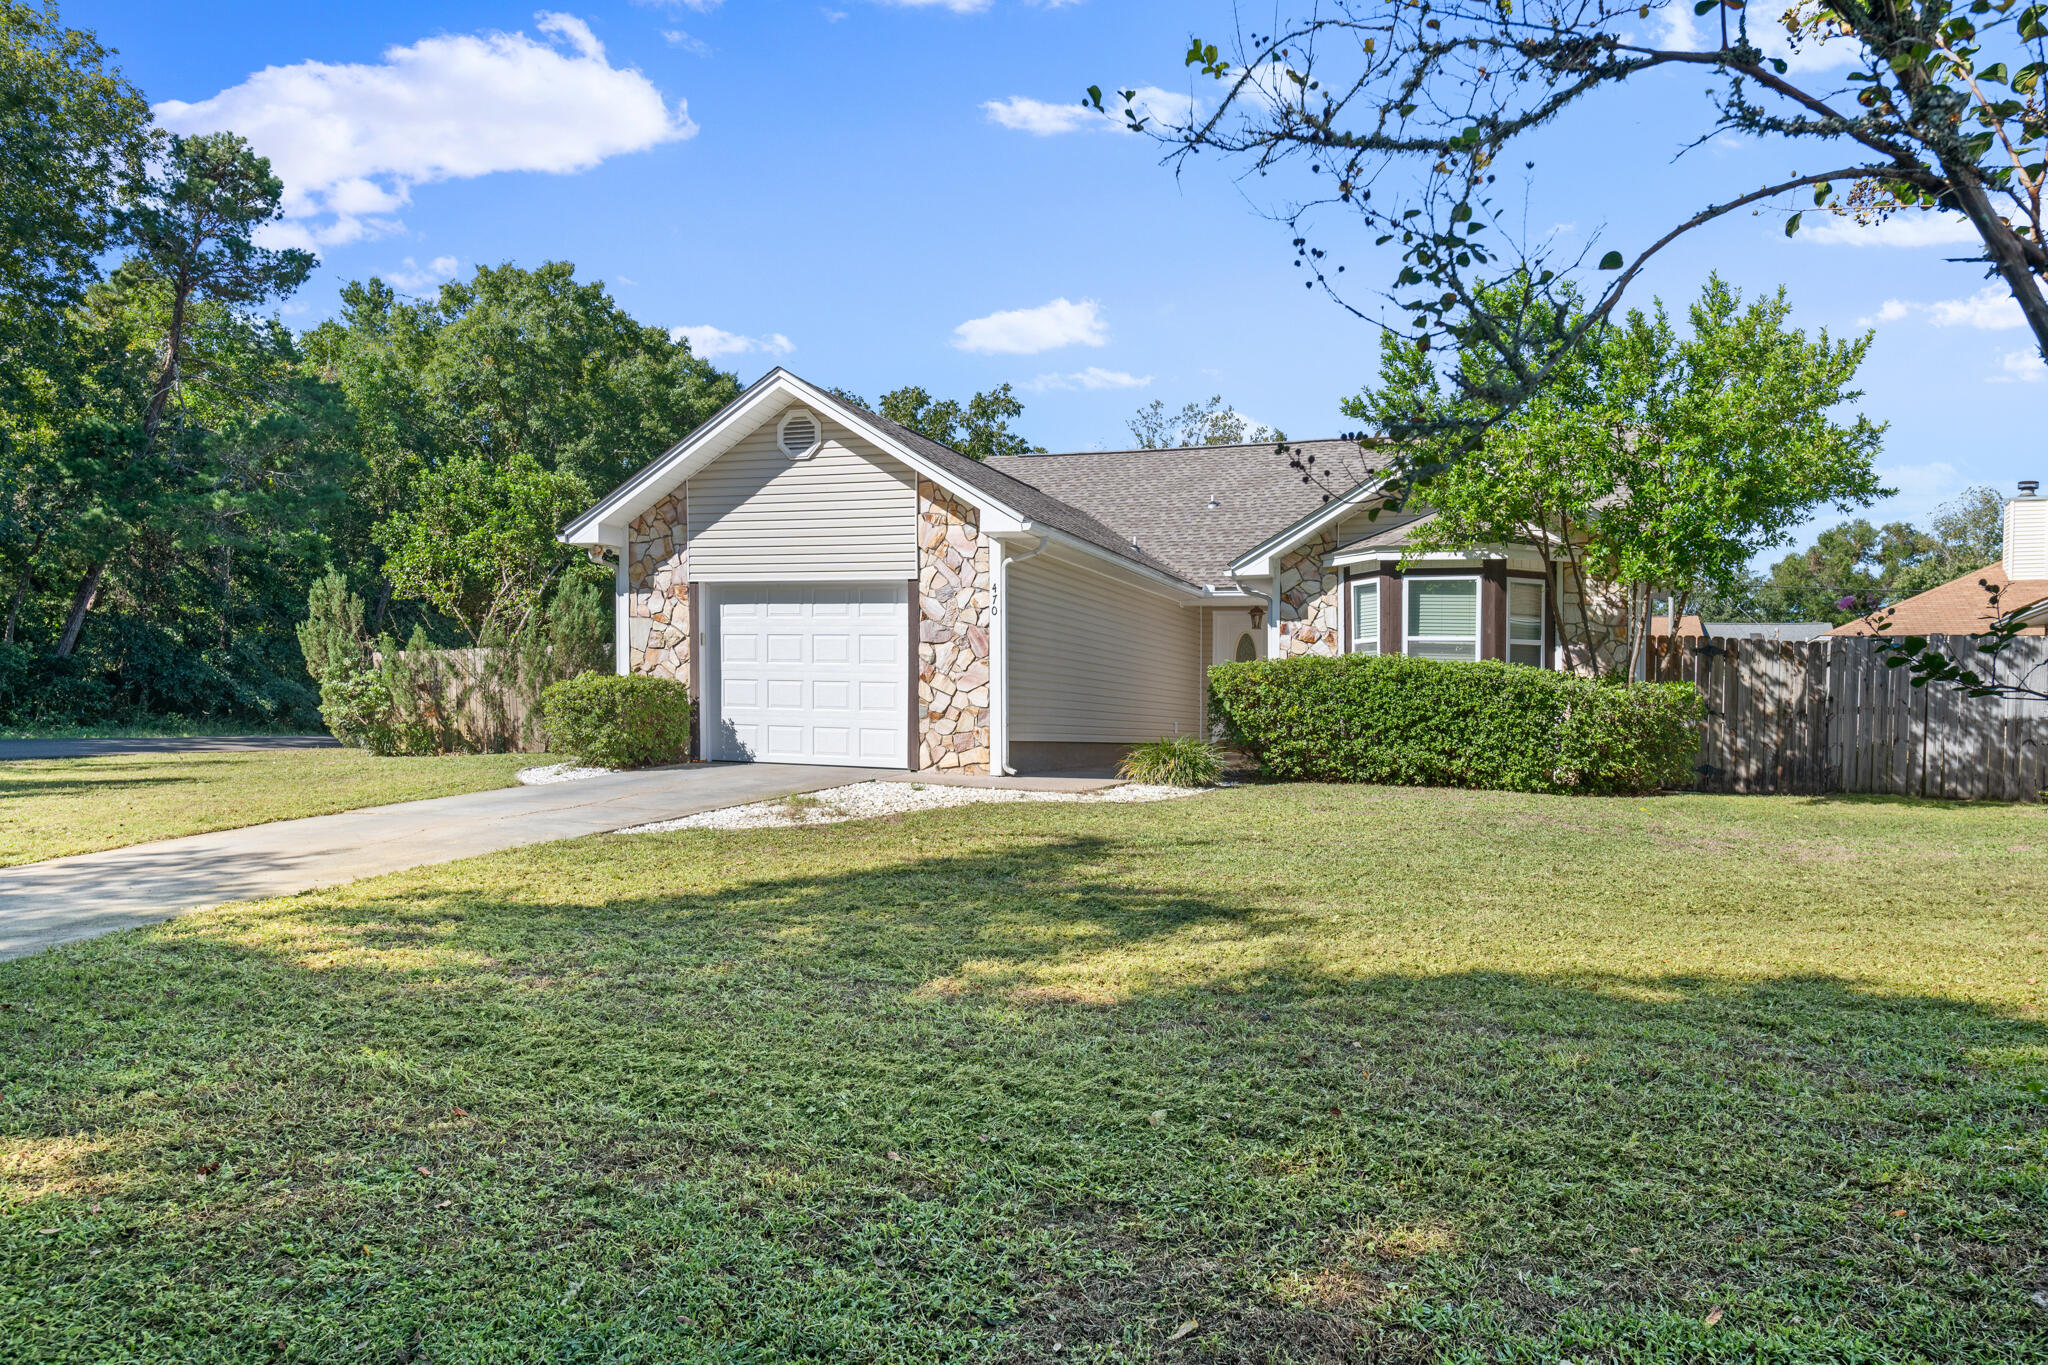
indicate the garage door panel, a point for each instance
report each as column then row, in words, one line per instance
column 809, row 673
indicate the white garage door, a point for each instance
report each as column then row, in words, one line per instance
column 810, row 673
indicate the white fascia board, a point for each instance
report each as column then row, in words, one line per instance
column 1165, row 585
column 606, row 522
column 1258, row 562
column 1338, row 561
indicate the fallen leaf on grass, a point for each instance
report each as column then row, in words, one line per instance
column 1156, row 1117
column 209, row 1168
column 895, row 1156
column 423, row 1170
column 1714, row 1316
column 1184, row 1329
column 460, row 1112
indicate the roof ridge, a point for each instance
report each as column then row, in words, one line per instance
column 1172, row 450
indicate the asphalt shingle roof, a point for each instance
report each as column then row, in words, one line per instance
column 1161, row 497
column 1960, row 606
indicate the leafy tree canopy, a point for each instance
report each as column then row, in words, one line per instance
column 1214, row 423
column 1655, row 457
column 979, row 429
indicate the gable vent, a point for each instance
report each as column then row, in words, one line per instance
column 798, row 435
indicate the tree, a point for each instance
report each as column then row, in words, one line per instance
column 1651, row 458
column 1405, row 113
column 191, row 223
column 1855, row 563
column 511, row 363
column 980, row 429
column 73, row 131
column 1214, row 423
column 479, row 543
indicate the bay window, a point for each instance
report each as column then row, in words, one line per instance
column 1365, row 616
column 1443, row 618
column 1525, row 622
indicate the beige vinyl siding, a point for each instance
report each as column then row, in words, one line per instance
column 847, row 513
column 1096, row 660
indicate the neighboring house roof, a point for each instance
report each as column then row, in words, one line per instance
column 1162, row 497
column 1960, row 606
column 1692, row 628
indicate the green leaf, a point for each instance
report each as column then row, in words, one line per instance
column 1822, row 192
column 1792, row 224
column 1611, row 261
column 1779, row 65
column 1704, row 5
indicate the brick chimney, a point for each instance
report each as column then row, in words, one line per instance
column 2026, row 533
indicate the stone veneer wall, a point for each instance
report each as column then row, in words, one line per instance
column 955, row 597
column 1311, row 601
column 658, row 592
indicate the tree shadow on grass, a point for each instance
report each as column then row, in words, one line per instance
column 984, row 1105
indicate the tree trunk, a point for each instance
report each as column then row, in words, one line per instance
column 28, row 569
column 14, row 607
column 383, row 605
column 81, row 603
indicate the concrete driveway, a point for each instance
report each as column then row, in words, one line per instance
column 42, row 904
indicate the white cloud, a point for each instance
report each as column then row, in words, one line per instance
column 710, row 343
column 351, row 141
column 1990, row 309
column 1027, row 331
column 412, row 278
column 1042, row 118
column 1916, row 227
column 676, row 37
column 1094, row 377
column 2019, row 367
column 956, row 6
column 673, row 6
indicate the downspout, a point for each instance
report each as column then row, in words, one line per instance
column 622, row 629
column 1000, row 654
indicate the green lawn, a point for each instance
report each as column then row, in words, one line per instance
column 1273, row 1074
column 49, row 808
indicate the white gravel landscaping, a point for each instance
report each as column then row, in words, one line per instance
column 558, row 772
column 865, row 800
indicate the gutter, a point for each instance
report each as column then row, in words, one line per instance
column 999, row 653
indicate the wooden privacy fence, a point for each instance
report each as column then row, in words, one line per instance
column 1813, row 716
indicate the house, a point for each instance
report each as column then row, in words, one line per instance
column 835, row 588
column 1965, row 605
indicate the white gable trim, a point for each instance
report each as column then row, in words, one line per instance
column 603, row 524
column 1261, row 560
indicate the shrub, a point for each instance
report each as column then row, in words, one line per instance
column 614, row 722
column 1183, row 761
column 1420, row 722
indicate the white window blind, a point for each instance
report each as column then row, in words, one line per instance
column 1443, row 618
column 1525, row 622
column 1365, row 617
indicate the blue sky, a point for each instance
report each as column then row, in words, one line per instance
column 881, row 193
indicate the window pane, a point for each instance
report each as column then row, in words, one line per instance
column 1532, row 655
column 1444, row 649
column 1443, row 606
column 1525, row 598
column 1365, row 618
column 1247, row 648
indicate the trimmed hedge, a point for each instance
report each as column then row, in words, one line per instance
column 613, row 722
column 1419, row 722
